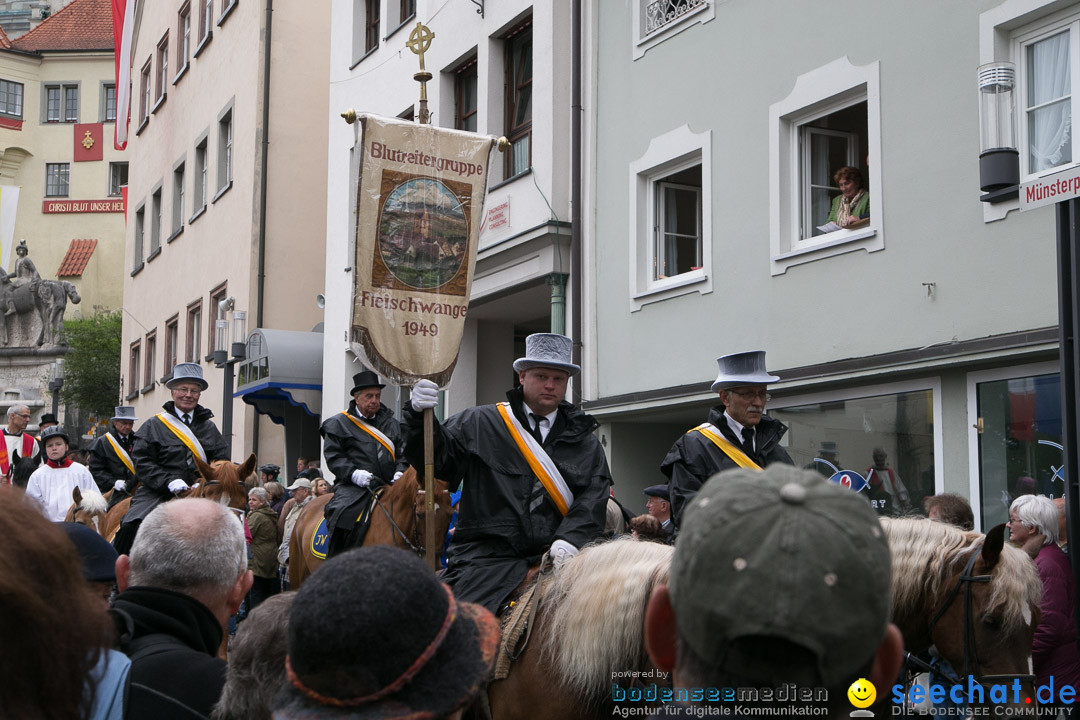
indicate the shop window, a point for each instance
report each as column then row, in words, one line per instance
column 1019, row 438
column 887, row 439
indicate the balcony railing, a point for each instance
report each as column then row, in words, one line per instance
column 662, row 13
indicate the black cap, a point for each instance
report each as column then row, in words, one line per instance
column 658, row 491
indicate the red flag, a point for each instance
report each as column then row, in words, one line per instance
column 123, row 12
column 123, row 196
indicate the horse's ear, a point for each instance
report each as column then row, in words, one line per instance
column 205, row 470
column 76, row 495
column 248, row 467
column 992, row 545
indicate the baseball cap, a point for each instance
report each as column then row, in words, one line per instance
column 786, row 555
column 300, row 482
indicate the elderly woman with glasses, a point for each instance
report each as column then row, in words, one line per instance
column 1033, row 527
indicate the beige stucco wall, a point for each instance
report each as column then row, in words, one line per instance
column 221, row 244
column 48, row 235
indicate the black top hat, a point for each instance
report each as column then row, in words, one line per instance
column 365, row 379
column 396, row 645
column 659, row 491
column 48, row 418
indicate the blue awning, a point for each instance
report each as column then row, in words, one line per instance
column 282, row 375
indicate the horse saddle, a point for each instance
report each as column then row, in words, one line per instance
column 320, row 540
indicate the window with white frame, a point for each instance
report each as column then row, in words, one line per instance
column 108, row 102
column 56, row 179
column 671, row 217
column 155, row 222
column 1046, row 55
column 11, row 99
column 178, row 198
column 206, row 19
column 824, row 176
column 201, row 177
column 225, row 152
column 149, row 362
column 140, row 229
column 163, row 69
column 133, row 369
column 61, row 103
column 118, row 177
column 144, row 106
column 183, row 38
column 194, row 332
column 172, row 340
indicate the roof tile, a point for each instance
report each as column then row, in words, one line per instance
column 77, row 256
column 82, row 25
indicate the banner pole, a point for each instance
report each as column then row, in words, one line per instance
column 429, row 489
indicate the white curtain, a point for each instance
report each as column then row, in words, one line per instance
column 1049, row 127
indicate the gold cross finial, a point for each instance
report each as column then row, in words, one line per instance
column 419, row 41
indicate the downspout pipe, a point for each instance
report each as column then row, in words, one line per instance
column 260, row 280
column 575, row 186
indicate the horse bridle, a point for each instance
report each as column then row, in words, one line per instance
column 418, row 548
column 971, row 655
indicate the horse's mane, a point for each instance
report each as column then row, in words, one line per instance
column 594, row 609
column 927, row 554
column 94, row 503
column 405, row 487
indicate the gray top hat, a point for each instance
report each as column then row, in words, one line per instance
column 187, row 372
column 124, row 412
column 745, row 368
column 548, row 350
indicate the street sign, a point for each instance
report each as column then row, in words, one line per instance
column 1050, row 189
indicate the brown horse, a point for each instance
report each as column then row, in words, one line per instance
column 222, row 481
column 1000, row 606
column 397, row 520
column 88, row 510
column 587, row 628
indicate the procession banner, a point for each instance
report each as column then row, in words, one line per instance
column 419, row 205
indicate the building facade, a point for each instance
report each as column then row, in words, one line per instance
column 60, row 175
column 499, row 69
column 226, row 205
column 928, row 331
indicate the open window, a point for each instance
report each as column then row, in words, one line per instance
column 824, row 172
column 670, row 206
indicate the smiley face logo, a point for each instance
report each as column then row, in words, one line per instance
column 862, row 693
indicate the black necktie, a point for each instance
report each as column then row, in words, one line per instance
column 748, row 440
column 187, row 419
column 534, row 422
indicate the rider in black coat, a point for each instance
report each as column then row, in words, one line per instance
column 106, row 465
column 352, row 454
column 507, row 520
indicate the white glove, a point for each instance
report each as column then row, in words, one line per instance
column 362, row 478
column 119, row 486
column 425, row 395
column 560, row 552
column 178, row 486
column 396, row 476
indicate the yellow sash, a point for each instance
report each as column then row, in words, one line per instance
column 741, row 459
column 120, row 453
column 373, row 432
column 183, row 432
column 550, row 480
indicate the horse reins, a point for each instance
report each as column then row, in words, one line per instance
column 418, row 548
column 971, row 655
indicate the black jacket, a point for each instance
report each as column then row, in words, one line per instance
column 160, row 458
column 106, row 466
column 173, row 640
column 694, row 458
column 349, row 448
column 507, row 520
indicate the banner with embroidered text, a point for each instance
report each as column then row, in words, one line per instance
column 419, row 204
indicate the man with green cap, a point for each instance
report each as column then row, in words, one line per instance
column 778, row 577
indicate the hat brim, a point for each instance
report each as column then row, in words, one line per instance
column 297, row 485
column 173, row 382
column 731, row 381
column 525, row 364
column 358, row 388
column 117, row 417
column 459, row 671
